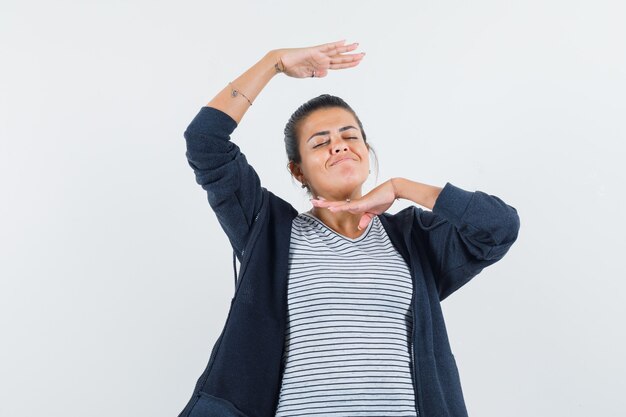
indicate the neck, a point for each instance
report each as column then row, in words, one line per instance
column 343, row 222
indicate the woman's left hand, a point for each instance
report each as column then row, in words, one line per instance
column 375, row 202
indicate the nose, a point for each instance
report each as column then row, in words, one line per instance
column 339, row 146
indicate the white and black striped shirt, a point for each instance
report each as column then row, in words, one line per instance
column 347, row 343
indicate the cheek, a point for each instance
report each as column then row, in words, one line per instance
column 312, row 162
column 365, row 153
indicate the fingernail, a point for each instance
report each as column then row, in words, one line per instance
column 358, row 227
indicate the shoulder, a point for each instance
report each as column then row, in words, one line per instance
column 278, row 206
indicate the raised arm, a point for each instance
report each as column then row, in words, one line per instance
column 313, row 61
column 233, row 99
column 232, row 185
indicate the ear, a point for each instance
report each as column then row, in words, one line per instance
column 296, row 171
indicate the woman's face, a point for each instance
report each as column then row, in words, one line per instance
column 335, row 159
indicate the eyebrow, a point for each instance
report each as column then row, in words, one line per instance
column 327, row 132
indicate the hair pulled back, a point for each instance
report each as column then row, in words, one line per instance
column 323, row 101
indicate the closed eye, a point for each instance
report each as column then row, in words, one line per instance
column 323, row 143
column 326, row 142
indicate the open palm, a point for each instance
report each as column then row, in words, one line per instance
column 303, row 62
column 377, row 201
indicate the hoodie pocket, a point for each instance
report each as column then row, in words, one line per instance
column 210, row 406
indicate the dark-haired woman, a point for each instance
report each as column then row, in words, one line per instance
column 336, row 310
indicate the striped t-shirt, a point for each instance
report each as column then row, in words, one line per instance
column 347, row 342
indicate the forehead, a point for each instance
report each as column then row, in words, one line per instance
column 327, row 119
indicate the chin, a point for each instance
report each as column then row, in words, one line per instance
column 353, row 184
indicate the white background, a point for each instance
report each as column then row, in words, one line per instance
column 116, row 277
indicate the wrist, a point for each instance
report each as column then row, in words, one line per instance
column 395, row 184
column 274, row 57
column 417, row 192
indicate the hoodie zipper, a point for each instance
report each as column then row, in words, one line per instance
column 416, row 381
column 254, row 231
column 398, row 242
column 242, row 252
column 415, row 366
column 253, row 221
column 205, row 376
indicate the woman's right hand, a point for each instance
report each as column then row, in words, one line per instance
column 302, row 62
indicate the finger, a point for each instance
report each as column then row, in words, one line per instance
column 331, row 205
column 341, row 59
column 341, row 50
column 354, row 207
column 326, row 46
column 348, row 65
column 335, row 207
column 338, row 49
column 323, row 203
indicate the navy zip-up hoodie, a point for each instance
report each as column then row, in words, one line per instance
column 444, row 248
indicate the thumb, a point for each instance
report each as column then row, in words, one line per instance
column 321, row 73
column 365, row 220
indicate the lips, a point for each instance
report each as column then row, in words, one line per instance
column 341, row 160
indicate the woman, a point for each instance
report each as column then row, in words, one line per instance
column 336, row 310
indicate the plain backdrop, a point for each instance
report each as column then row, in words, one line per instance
column 116, row 277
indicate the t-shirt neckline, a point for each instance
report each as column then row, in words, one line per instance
column 356, row 239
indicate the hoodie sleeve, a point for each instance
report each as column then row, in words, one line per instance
column 465, row 232
column 232, row 185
